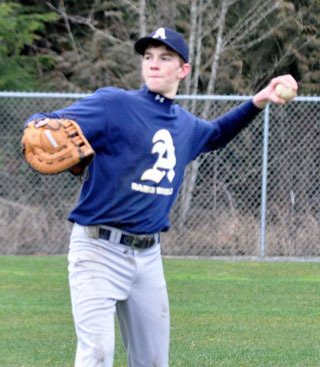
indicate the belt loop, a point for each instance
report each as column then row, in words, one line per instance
column 92, row 231
column 117, row 235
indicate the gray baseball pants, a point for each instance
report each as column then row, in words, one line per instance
column 108, row 279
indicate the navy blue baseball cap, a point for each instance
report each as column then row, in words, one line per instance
column 168, row 37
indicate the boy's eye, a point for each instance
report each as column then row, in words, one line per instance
column 166, row 58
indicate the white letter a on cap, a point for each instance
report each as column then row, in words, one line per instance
column 160, row 33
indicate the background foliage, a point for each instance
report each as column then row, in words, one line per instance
column 21, row 28
column 236, row 46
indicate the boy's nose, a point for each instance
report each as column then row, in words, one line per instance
column 154, row 64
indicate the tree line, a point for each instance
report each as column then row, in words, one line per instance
column 236, row 46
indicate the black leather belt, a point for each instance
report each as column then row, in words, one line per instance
column 140, row 242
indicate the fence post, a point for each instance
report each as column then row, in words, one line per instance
column 264, row 182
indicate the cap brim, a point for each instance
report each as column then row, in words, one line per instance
column 142, row 44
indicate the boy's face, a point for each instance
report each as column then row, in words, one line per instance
column 162, row 70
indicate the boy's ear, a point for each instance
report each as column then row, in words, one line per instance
column 184, row 70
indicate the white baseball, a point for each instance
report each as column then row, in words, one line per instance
column 285, row 93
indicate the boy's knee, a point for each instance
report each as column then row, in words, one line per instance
column 97, row 352
column 102, row 351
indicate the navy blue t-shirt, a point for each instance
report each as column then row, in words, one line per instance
column 143, row 142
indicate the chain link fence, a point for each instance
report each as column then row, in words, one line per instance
column 259, row 196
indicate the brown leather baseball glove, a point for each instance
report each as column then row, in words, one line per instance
column 52, row 146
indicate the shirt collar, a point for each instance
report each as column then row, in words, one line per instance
column 157, row 98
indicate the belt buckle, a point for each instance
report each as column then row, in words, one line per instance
column 139, row 242
column 144, row 242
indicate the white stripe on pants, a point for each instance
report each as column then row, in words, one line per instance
column 107, row 278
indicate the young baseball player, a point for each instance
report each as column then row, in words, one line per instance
column 142, row 142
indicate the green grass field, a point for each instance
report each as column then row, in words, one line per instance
column 223, row 313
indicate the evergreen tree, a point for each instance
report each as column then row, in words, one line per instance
column 20, row 28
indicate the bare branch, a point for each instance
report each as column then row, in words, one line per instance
column 197, row 63
column 192, row 38
column 142, row 18
column 265, row 35
column 250, row 21
column 217, row 52
column 85, row 21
